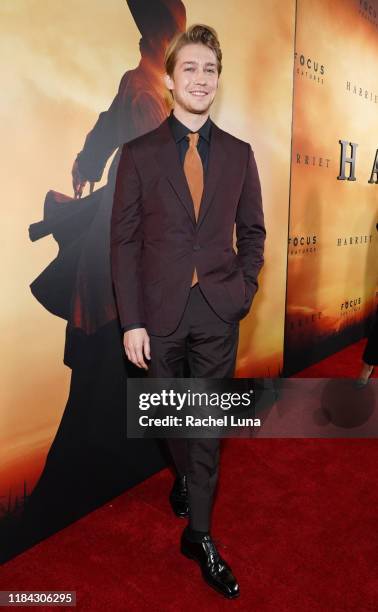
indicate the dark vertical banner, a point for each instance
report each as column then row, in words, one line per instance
column 80, row 78
column 332, row 247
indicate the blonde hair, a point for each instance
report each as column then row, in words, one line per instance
column 197, row 33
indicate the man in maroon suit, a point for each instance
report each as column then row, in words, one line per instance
column 181, row 288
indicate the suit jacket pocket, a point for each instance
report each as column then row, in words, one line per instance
column 236, row 289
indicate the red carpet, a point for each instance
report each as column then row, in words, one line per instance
column 344, row 364
column 301, row 534
column 297, row 519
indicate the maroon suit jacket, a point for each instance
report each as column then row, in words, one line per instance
column 156, row 242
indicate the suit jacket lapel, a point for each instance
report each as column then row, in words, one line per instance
column 216, row 160
column 169, row 161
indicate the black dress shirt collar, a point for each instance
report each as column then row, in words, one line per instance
column 180, row 131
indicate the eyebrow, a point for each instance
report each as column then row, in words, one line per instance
column 206, row 63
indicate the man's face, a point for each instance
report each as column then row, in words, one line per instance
column 195, row 78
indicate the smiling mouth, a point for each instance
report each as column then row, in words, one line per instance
column 199, row 94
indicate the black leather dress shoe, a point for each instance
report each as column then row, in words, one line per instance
column 215, row 570
column 179, row 497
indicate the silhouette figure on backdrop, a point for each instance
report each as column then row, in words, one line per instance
column 91, row 459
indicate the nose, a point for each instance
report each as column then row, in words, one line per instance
column 200, row 77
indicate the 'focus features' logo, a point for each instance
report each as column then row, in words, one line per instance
column 309, row 68
column 350, row 306
column 300, row 245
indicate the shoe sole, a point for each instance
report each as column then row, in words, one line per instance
column 189, row 556
column 183, row 516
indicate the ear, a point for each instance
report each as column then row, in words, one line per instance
column 168, row 81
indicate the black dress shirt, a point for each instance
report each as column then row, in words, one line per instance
column 180, row 133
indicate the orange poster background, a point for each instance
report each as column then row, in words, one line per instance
column 61, row 66
column 332, row 275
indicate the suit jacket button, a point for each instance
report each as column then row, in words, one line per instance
column 196, row 247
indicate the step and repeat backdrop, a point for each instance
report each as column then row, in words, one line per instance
column 82, row 77
column 332, row 249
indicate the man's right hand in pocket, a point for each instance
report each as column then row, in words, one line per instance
column 137, row 346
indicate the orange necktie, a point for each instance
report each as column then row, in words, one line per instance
column 193, row 170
